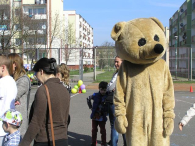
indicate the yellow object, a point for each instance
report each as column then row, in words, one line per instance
column 80, row 82
column 84, row 91
column 144, row 95
column 73, row 90
column 76, row 86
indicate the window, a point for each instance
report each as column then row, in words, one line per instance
column 3, row 27
column 41, row 40
column 36, row 11
column 30, row 11
column 17, row 27
column 18, row 41
column 31, row 41
column 41, row 11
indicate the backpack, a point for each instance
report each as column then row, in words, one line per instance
column 104, row 105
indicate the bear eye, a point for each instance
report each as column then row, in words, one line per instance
column 141, row 42
column 156, row 38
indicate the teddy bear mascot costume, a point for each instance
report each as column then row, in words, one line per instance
column 144, row 96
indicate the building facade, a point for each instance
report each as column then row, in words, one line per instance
column 182, row 40
column 79, row 34
column 36, row 25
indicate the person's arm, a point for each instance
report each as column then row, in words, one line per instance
column 168, row 102
column 112, row 84
column 119, row 96
column 38, row 116
column 89, row 101
column 190, row 113
column 23, row 87
column 95, row 105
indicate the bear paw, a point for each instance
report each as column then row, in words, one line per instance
column 168, row 126
column 121, row 124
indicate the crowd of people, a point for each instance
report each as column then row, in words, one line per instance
column 21, row 123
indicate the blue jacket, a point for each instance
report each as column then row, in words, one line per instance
column 99, row 102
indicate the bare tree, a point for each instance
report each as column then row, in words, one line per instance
column 13, row 28
column 69, row 42
column 9, row 26
column 105, row 55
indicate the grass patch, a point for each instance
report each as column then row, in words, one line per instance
column 74, row 72
column 106, row 76
column 184, row 82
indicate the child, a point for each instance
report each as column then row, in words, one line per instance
column 12, row 120
column 62, row 72
column 8, row 91
column 99, row 113
column 190, row 113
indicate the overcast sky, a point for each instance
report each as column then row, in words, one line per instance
column 102, row 15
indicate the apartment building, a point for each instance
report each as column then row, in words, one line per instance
column 181, row 25
column 182, row 39
column 40, row 27
column 81, row 37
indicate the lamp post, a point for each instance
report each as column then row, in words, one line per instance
column 45, row 33
column 94, row 51
column 176, row 57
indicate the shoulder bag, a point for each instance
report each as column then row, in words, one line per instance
column 50, row 114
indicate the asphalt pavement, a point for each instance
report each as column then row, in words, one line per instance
column 79, row 131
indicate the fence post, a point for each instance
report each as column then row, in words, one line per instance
column 190, row 64
column 94, row 63
column 81, row 64
column 59, row 56
column 37, row 53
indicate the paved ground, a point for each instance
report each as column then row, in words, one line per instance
column 79, row 131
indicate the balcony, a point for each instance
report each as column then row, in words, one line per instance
column 183, row 28
column 5, row 32
column 4, row 18
column 175, row 34
column 42, row 16
column 34, row 2
column 175, row 22
column 183, row 14
column 183, row 42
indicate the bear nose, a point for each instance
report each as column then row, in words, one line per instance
column 158, row 48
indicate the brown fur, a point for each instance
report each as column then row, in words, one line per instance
column 144, row 98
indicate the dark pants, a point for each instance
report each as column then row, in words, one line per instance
column 59, row 142
column 114, row 133
column 102, row 125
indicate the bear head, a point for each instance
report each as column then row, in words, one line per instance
column 140, row 41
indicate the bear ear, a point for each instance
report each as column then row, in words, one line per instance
column 158, row 22
column 117, row 29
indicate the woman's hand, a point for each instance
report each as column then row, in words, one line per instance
column 180, row 126
column 17, row 103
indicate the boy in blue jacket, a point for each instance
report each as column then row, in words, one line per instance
column 99, row 113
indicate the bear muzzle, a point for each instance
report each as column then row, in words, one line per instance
column 151, row 54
